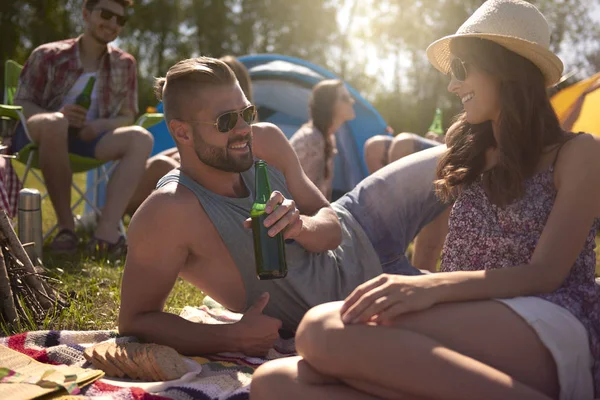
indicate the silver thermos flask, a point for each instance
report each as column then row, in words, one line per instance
column 29, row 222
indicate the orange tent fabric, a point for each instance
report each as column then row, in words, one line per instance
column 589, row 117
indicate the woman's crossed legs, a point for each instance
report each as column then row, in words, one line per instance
column 470, row 350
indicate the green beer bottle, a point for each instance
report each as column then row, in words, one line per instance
column 269, row 252
column 436, row 124
column 84, row 99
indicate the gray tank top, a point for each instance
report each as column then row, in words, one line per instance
column 313, row 278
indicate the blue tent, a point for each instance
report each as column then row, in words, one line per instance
column 281, row 88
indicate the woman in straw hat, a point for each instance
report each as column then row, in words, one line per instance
column 515, row 312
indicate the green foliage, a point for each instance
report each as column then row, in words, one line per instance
column 25, row 24
column 378, row 46
column 401, row 30
column 93, row 289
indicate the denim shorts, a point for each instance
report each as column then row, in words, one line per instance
column 75, row 145
column 394, row 204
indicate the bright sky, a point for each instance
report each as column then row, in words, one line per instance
column 385, row 67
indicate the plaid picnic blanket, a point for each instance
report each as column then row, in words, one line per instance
column 224, row 376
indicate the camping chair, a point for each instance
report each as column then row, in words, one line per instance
column 98, row 191
column 28, row 154
column 149, row 119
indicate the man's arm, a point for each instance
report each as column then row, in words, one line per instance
column 92, row 129
column 129, row 106
column 32, row 82
column 100, row 125
column 158, row 248
column 321, row 229
column 30, row 108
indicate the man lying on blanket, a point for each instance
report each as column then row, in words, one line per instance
column 195, row 224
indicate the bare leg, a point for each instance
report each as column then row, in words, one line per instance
column 131, row 146
column 49, row 131
column 376, row 152
column 402, row 146
column 473, row 350
column 173, row 153
column 293, row 378
column 156, row 168
column 429, row 242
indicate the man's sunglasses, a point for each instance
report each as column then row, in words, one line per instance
column 227, row 121
column 458, row 69
column 107, row 15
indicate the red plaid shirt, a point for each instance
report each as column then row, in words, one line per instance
column 10, row 185
column 53, row 68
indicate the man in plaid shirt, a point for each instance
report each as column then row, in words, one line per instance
column 53, row 76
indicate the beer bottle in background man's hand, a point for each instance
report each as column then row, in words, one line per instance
column 436, row 125
column 269, row 252
column 84, row 99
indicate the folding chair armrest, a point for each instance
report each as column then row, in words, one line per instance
column 14, row 112
column 10, row 111
column 149, row 119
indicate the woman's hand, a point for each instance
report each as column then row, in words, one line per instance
column 382, row 299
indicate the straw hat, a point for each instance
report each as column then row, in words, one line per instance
column 514, row 24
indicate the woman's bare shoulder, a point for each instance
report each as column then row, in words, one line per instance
column 583, row 145
column 580, row 157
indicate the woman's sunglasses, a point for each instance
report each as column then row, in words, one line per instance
column 227, row 121
column 107, row 15
column 458, row 69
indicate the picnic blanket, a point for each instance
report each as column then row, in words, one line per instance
column 224, row 376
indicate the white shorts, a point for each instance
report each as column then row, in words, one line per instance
column 567, row 340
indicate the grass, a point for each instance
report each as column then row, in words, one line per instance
column 94, row 287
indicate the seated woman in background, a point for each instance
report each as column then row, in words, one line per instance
column 163, row 162
column 515, row 312
column 330, row 106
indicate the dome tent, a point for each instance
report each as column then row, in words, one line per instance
column 566, row 101
column 281, row 88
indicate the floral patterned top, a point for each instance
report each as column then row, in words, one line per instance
column 309, row 145
column 484, row 236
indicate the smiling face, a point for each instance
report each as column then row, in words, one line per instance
column 479, row 93
column 102, row 20
column 226, row 151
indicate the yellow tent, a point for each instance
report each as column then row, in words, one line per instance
column 565, row 102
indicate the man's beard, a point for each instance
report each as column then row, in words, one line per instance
column 99, row 38
column 221, row 158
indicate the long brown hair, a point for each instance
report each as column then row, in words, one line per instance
column 526, row 126
column 321, row 104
